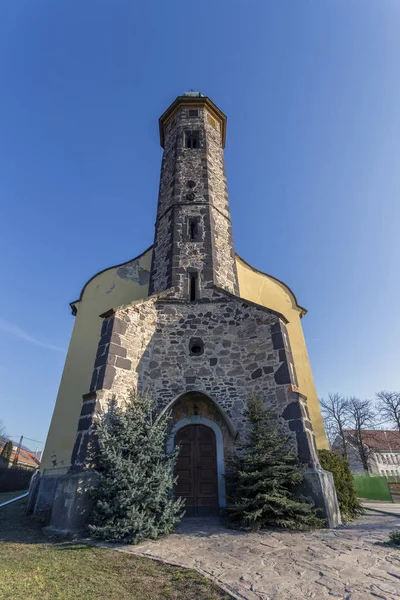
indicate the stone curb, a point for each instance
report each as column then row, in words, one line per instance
column 382, row 512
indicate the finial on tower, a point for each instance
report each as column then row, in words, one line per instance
column 193, row 94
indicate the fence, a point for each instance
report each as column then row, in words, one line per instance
column 395, row 490
column 393, row 478
column 372, row 488
column 13, row 479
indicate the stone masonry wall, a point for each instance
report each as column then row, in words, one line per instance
column 243, row 350
column 224, row 275
column 192, row 255
column 161, row 270
column 216, row 167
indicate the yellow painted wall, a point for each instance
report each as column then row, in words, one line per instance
column 271, row 293
column 109, row 289
column 120, row 285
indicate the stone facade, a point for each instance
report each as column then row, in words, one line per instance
column 197, row 347
column 240, row 349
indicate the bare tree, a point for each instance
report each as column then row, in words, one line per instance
column 335, row 412
column 389, row 407
column 362, row 417
column 3, row 432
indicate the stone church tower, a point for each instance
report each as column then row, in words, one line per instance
column 187, row 333
column 193, row 246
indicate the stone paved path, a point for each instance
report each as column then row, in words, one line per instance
column 349, row 563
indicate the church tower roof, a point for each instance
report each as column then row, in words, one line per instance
column 193, row 100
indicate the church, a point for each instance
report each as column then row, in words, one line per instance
column 196, row 326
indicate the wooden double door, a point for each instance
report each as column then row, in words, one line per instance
column 196, row 469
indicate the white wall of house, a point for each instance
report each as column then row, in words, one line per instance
column 386, row 463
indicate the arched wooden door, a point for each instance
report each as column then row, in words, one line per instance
column 196, row 470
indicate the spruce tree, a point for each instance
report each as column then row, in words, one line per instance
column 262, row 486
column 7, row 451
column 133, row 500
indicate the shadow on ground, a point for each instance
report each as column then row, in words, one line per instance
column 18, row 527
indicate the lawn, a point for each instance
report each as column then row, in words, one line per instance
column 37, row 567
column 4, row 496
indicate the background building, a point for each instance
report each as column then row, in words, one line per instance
column 26, row 458
column 382, row 448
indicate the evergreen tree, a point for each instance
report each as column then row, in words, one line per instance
column 133, row 500
column 7, row 451
column 261, row 489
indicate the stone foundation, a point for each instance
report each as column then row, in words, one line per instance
column 73, row 502
column 319, row 488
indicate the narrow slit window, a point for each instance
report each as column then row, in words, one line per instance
column 193, row 112
column 192, row 139
column 192, row 287
column 193, row 229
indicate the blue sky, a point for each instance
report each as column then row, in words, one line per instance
column 312, row 94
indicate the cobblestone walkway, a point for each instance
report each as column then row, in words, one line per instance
column 349, row 563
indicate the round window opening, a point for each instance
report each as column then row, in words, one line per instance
column 191, row 183
column 196, row 347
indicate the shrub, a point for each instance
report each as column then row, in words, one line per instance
column 349, row 504
column 394, row 537
column 133, row 499
column 262, row 488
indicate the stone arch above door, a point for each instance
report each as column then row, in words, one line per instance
column 189, row 400
column 198, row 404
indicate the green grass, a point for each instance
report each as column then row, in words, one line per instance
column 4, row 496
column 37, row 567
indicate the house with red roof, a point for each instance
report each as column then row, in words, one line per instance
column 382, row 447
column 25, row 458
